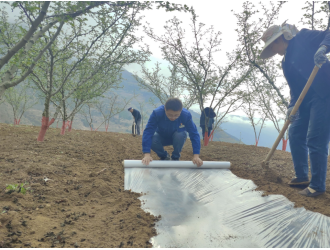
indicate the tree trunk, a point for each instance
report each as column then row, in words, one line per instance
column 206, row 137
column 70, row 125
column 44, row 127
column 2, row 91
column 63, row 127
column 44, row 121
column 285, row 142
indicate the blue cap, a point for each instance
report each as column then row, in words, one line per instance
column 129, row 108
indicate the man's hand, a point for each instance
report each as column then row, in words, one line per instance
column 320, row 57
column 196, row 160
column 147, row 159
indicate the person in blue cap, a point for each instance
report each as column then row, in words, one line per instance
column 309, row 132
column 137, row 118
column 168, row 125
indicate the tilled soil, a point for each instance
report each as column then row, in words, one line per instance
column 76, row 195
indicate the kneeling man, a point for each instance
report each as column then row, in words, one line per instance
column 167, row 125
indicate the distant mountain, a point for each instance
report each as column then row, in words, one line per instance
column 240, row 127
column 119, row 123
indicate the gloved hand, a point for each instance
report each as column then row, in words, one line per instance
column 320, row 57
column 292, row 117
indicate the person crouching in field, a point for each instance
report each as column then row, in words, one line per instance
column 310, row 127
column 167, row 125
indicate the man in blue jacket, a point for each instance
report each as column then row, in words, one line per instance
column 310, row 127
column 167, row 125
column 137, row 118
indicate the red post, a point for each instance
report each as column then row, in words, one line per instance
column 257, row 142
column 44, row 127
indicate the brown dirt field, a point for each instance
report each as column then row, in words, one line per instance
column 84, row 204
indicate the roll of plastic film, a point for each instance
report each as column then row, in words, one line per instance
column 176, row 164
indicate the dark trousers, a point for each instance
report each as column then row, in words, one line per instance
column 310, row 132
column 203, row 131
column 177, row 140
column 138, row 123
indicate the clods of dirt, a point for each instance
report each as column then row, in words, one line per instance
column 74, row 186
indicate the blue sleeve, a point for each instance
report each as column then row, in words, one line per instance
column 193, row 134
column 148, row 132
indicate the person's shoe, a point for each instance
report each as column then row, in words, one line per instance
column 310, row 192
column 167, row 158
column 173, row 159
column 295, row 182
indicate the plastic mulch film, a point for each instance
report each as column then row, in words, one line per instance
column 215, row 208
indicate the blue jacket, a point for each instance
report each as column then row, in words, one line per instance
column 158, row 122
column 136, row 114
column 202, row 121
column 298, row 63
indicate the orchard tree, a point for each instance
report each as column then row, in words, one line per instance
column 110, row 106
column 20, row 99
column 317, row 15
column 87, row 111
column 107, row 48
column 18, row 39
column 195, row 64
column 251, row 26
column 163, row 87
column 252, row 109
column 37, row 18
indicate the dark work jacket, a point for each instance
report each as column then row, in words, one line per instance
column 298, row 64
column 202, row 121
column 158, row 122
column 136, row 114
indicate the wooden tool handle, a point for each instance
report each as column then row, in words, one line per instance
column 293, row 112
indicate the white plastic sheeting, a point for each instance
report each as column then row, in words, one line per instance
column 176, row 164
column 215, row 208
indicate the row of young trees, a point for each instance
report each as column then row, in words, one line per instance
column 246, row 82
column 70, row 52
column 73, row 52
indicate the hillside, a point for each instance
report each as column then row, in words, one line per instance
column 119, row 123
column 76, row 195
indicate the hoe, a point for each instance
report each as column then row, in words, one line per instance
column 265, row 163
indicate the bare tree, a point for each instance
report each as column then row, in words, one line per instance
column 143, row 113
column 86, row 111
column 195, row 63
column 250, row 108
column 111, row 106
column 165, row 87
column 251, row 25
column 20, row 101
